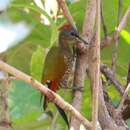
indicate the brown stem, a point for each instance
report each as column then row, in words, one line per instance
column 4, row 113
column 95, row 68
column 128, row 75
column 115, row 35
column 115, row 47
column 109, row 75
column 79, row 77
column 82, row 58
column 103, row 21
column 123, row 98
column 66, row 12
column 106, row 121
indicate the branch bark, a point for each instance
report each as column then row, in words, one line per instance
column 50, row 94
column 128, row 75
column 103, row 21
column 115, row 35
column 95, row 68
column 115, row 47
column 123, row 98
column 5, row 121
column 79, row 75
column 82, row 59
column 106, row 121
column 109, row 75
column 66, row 12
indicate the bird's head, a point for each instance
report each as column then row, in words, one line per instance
column 69, row 34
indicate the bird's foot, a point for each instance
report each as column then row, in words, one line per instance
column 78, row 88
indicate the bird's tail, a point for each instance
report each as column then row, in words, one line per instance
column 53, row 85
column 63, row 114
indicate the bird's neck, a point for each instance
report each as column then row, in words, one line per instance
column 64, row 46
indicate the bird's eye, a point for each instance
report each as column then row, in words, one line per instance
column 74, row 33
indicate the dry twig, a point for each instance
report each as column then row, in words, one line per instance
column 66, row 12
column 103, row 21
column 128, row 75
column 115, row 35
column 123, row 98
column 109, row 75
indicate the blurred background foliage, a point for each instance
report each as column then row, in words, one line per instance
column 24, row 101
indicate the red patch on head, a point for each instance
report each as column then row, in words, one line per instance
column 65, row 26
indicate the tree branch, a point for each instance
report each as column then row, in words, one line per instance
column 103, row 21
column 115, row 35
column 106, row 121
column 95, row 68
column 115, row 47
column 82, row 58
column 123, row 98
column 128, row 75
column 50, row 94
column 66, row 12
column 5, row 121
column 77, row 85
column 109, row 75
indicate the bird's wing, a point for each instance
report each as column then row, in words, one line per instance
column 55, row 65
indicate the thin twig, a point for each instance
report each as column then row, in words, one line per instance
column 53, row 124
column 123, row 98
column 123, row 20
column 128, row 75
column 103, row 22
column 120, row 7
column 115, row 47
column 50, row 94
column 9, row 78
column 115, row 35
column 108, row 73
column 66, row 12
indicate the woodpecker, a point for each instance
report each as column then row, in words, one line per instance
column 59, row 62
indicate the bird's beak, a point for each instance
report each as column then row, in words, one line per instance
column 81, row 39
column 76, row 34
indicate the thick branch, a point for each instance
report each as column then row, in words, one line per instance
column 50, row 94
column 89, row 21
column 115, row 47
column 82, row 58
column 95, row 68
column 106, row 121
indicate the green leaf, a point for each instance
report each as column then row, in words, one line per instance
column 23, row 100
column 37, row 63
column 54, row 36
column 54, row 32
column 33, row 8
column 125, row 35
